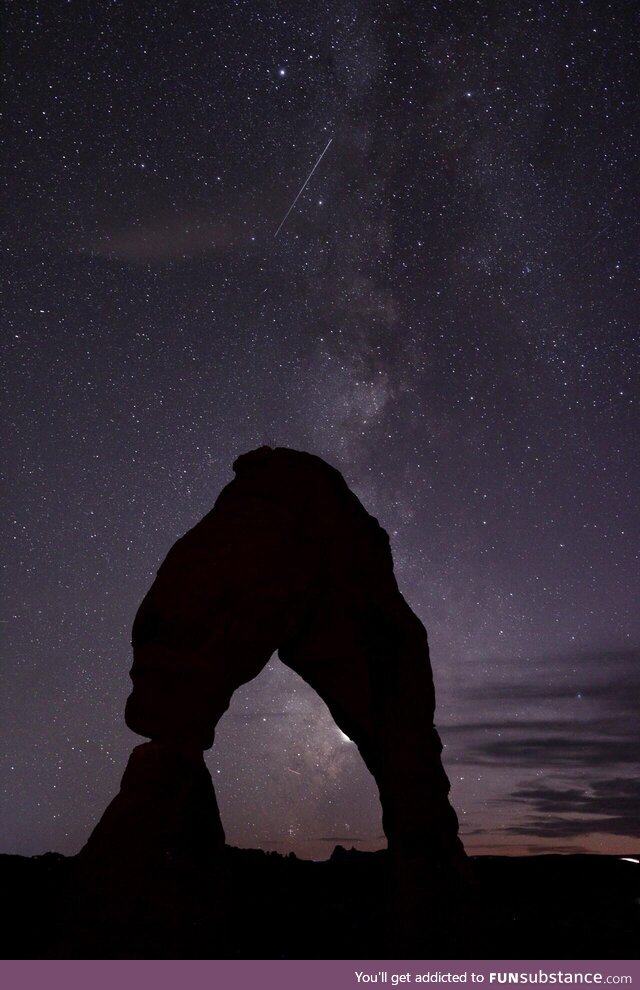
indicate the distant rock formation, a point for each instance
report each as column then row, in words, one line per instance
column 288, row 560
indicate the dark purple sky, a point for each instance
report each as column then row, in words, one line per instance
column 448, row 316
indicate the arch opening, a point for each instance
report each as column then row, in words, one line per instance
column 287, row 777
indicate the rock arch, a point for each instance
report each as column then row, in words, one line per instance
column 288, row 560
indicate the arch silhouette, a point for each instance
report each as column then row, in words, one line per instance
column 288, row 560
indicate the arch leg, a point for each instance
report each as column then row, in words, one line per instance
column 372, row 669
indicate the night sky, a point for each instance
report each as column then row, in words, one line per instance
column 447, row 316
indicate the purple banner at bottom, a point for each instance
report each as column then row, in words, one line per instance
column 312, row 974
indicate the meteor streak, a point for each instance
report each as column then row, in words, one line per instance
column 302, row 189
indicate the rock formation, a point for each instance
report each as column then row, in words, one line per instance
column 288, row 560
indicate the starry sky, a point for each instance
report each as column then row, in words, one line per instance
column 447, row 315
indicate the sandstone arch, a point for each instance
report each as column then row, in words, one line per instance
column 288, row 560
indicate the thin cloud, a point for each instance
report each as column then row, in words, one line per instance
column 597, row 676
column 608, row 806
column 549, row 752
column 167, row 238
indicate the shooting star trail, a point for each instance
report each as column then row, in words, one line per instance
column 302, row 189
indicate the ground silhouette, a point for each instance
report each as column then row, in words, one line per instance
column 276, row 907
